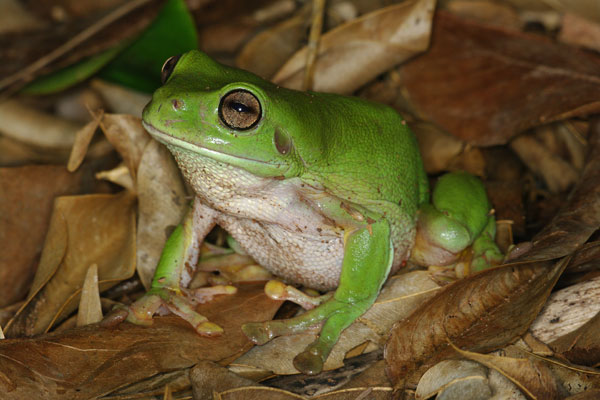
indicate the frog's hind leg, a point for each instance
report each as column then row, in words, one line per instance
column 367, row 261
column 460, row 216
column 175, row 269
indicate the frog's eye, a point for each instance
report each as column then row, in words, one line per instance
column 240, row 109
column 167, row 68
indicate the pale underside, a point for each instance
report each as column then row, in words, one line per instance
column 277, row 222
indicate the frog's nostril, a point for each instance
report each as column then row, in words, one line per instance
column 177, row 104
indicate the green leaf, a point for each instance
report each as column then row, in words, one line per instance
column 139, row 66
column 135, row 63
column 71, row 75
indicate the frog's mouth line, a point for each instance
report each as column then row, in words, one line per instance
column 227, row 158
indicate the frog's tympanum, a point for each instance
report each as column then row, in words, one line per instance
column 325, row 191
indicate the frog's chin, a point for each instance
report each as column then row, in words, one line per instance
column 256, row 167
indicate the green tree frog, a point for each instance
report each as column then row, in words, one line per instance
column 323, row 190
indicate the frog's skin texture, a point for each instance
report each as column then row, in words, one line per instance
column 323, row 190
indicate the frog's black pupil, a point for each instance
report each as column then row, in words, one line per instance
column 167, row 68
column 239, row 107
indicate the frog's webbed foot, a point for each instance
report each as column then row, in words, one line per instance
column 337, row 316
column 180, row 302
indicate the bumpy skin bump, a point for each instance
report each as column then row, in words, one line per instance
column 321, row 189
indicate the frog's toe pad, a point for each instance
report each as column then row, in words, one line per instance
column 206, row 294
column 308, row 362
column 258, row 332
column 209, row 329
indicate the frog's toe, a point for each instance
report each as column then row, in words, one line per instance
column 485, row 261
column 258, row 332
column 206, row 294
column 309, row 362
column 158, row 300
column 278, row 290
column 208, row 328
column 143, row 309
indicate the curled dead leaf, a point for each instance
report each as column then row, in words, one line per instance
column 580, row 216
column 31, row 126
column 486, row 84
column 482, row 312
column 356, row 52
column 26, row 198
column 581, row 346
column 83, row 138
column 531, row 376
column 95, row 361
column 90, row 308
column 84, row 230
column 270, row 49
column 126, row 134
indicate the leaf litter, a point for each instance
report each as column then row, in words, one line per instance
column 463, row 307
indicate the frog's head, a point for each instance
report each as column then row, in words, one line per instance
column 223, row 113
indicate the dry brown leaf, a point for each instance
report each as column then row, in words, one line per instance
column 373, row 376
column 437, row 148
column 398, row 298
column 93, row 361
column 507, row 198
column 531, row 376
column 585, row 258
column 592, row 394
column 489, row 12
column 589, row 9
column 262, row 392
column 486, row 84
column 558, row 174
column 207, row 377
column 14, row 17
column 573, row 378
column 580, row 31
column 355, row 53
column 126, row 134
column 119, row 99
column 118, row 175
column 481, row 313
column 90, row 309
column 162, row 203
column 582, row 346
column 83, row 138
column 503, row 387
column 83, row 230
column 270, row 49
column 30, row 126
column 580, row 217
column 453, row 379
column 26, row 196
column 567, row 309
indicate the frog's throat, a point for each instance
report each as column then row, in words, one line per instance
column 265, row 168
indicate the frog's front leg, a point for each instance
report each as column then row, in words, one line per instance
column 175, row 270
column 368, row 255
